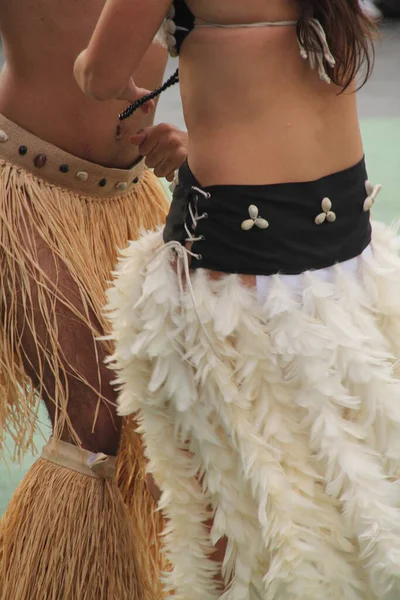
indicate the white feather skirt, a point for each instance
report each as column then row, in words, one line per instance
column 277, row 413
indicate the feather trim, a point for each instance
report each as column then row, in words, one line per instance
column 290, row 417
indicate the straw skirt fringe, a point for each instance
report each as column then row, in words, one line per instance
column 147, row 522
column 288, row 413
column 84, row 233
column 67, row 536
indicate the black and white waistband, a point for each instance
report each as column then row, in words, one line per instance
column 284, row 228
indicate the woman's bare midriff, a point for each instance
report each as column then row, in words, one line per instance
column 41, row 40
column 255, row 111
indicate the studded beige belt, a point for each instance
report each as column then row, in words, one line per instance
column 47, row 162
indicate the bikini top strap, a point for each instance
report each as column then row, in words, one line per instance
column 317, row 57
column 200, row 24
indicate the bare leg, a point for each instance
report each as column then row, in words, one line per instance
column 79, row 366
column 67, row 534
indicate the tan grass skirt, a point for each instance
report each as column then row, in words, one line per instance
column 83, row 213
column 67, row 535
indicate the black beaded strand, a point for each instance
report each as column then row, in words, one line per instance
column 136, row 105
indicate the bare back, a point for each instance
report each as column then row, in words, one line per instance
column 42, row 39
column 255, row 111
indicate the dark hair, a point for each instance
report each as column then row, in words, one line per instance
column 350, row 35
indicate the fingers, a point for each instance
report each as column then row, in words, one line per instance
column 147, row 139
column 148, row 107
column 166, row 168
column 138, row 138
column 131, row 93
column 170, row 176
column 164, row 146
column 150, row 104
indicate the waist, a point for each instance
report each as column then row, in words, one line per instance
column 62, row 115
column 292, row 158
column 293, row 132
column 279, row 228
column 49, row 163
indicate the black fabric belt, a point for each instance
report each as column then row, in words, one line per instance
column 266, row 229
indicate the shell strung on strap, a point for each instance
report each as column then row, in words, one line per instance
column 320, row 53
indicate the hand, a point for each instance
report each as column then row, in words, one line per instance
column 131, row 93
column 164, row 147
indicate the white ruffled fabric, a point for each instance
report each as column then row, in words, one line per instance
column 290, row 408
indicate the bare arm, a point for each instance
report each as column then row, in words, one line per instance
column 123, row 33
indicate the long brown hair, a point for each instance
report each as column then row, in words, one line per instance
column 350, row 35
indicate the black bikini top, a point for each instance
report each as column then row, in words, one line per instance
column 180, row 21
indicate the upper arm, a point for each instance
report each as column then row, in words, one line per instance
column 123, row 33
